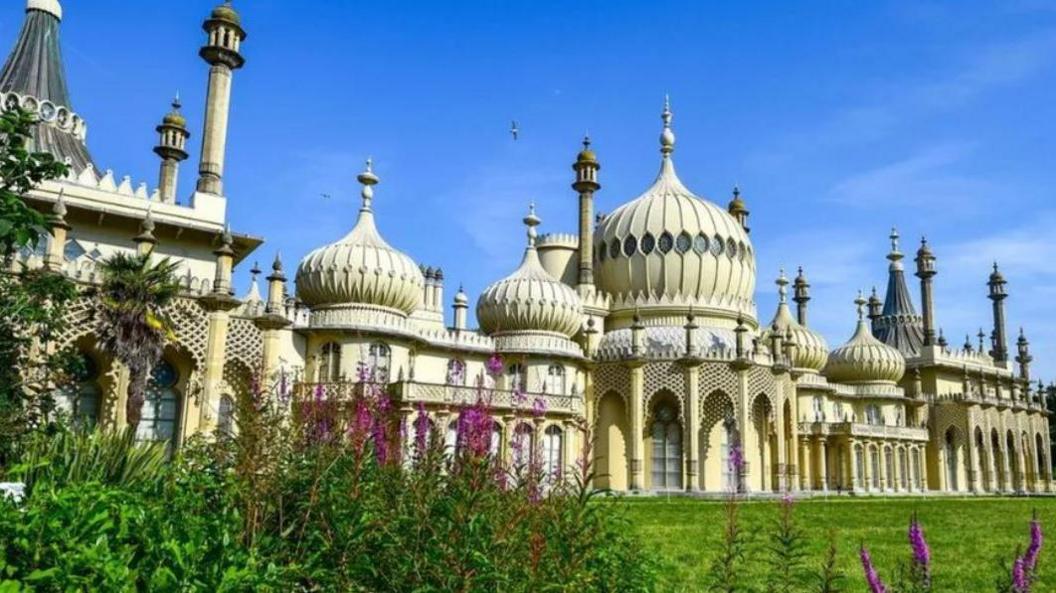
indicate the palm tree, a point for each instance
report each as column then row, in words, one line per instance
column 134, row 329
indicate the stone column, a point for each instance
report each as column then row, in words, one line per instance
column 852, row 465
column 636, row 475
column 823, row 463
column 692, row 414
column 972, row 462
column 781, row 470
column 806, row 474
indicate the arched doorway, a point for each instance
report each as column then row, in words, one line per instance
column 665, row 433
column 718, row 438
column 161, row 408
column 1001, row 479
column 1015, row 471
column 951, row 450
column 762, row 442
column 610, row 458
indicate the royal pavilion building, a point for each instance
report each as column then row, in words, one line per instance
column 639, row 332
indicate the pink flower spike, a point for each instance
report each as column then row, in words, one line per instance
column 871, row 577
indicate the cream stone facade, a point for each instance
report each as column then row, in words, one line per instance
column 639, row 332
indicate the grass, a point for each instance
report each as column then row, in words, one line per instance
column 971, row 538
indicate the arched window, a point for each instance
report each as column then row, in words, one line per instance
column 456, row 372
column 496, row 440
column 875, row 463
column 161, row 409
column 451, row 438
column 728, row 442
column 516, row 378
column 859, row 462
column 80, row 399
column 523, row 446
column 555, row 380
column 819, row 408
column 889, row 468
column 553, row 443
column 380, row 359
column 330, row 363
column 225, row 418
column 667, row 449
column 872, row 415
column 903, row 466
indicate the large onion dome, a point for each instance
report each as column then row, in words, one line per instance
column 670, row 246
column 361, row 268
column 809, row 352
column 530, row 299
column 865, row 359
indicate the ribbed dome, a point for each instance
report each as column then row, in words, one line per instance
column 810, row 351
column 530, row 299
column 361, row 268
column 670, row 244
column 226, row 12
column 864, row 359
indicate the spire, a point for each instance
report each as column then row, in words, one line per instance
column 667, row 136
column 802, row 296
column 782, row 287
column 899, row 325
column 36, row 75
column 368, row 179
column 531, row 221
column 738, row 209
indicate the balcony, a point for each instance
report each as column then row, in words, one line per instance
column 446, row 394
column 858, row 430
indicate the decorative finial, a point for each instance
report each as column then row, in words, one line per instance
column 148, row 221
column 255, row 270
column 59, row 209
column 368, row 179
column 586, row 141
column 782, row 287
column 277, row 264
column 667, row 137
column 176, row 104
column 532, row 221
column 860, row 304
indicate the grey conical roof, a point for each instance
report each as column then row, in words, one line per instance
column 35, row 68
column 899, row 325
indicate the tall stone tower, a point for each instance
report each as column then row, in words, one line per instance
column 172, row 148
column 221, row 52
column 586, row 168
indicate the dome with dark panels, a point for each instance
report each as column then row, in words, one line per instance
column 530, row 299
column 671, row 246
column 361, row 268
column 809, row 352
column 865, row 359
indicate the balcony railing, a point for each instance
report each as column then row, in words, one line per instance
column 856, row 429
column 446, row 394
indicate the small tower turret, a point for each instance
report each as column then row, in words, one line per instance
column 1023, row 356
column 225, row 259
column 222, row 53
column 801, row 296
column 997, row 295
column 875, row 308
column 738, row 209
column 172, row 148
column 586, row 168
column 276, row 288
column 461, row 309
column 926, row 271
column 59, row 228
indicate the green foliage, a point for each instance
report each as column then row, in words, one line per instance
column 73, row 457
column 20, row 171
column 787, row 553
column 134, row 329
column 829, row 577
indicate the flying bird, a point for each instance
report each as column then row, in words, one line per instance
column 514, row 131
column 326, row 196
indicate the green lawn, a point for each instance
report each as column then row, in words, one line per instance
column 969, row 537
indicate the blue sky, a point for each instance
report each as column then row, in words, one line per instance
column 838, row 120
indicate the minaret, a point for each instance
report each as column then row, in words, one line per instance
column 875, row 309
column 998, row 294
column 172, row 148
column 738, row 209
column 221, row 52
column 1024, row 358
column 461, row 308
column 586, row 168
column 801, row 297
column 926, row 271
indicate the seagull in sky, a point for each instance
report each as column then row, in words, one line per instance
column 514, row 131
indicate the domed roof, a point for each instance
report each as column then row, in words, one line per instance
column 361, row 268
column 174, row 117
column 670, row 245
column 810, row 351
column 226, row 12
column 530, row 299
column 865, row 359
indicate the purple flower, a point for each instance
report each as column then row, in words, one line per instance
column 871, row 577
column 494, row 365
column 921, row 551
column 538, row 407
column 1030, row 559
column 421, row 431
column 1020, row 581
column 736, row 459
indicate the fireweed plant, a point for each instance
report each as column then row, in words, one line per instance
column 725, row 574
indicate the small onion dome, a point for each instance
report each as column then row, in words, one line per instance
column 864, row 359
column 586, row 155
column 530, row 299
column 996, row 277
column 461, row 298
column 361, row 268
column 174, row 117
column 810, row 351
column 737, row 205
column 226, row 12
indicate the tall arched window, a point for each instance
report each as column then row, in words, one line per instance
column 524, row 449
column 496, row 440
column 667, row 449
column 161, row 408
column 380, row 360
column 553, row 444
column 330, row 363
column 451, row 438
column 859, row 461
column 728, row 442
column 555, row 380
column 889, row 469
column 456, row 372
column 875, row 463
column 903, row 466
column 951, row 461
column 80, row 399
column 516, row 378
